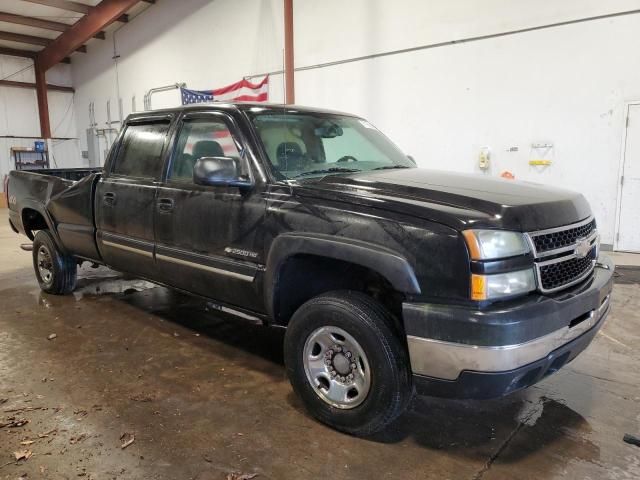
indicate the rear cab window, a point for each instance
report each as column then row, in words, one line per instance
column 140, row 152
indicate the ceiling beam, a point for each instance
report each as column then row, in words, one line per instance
column 55, row 88
column 33, row 22
column 28, row 39
column 14, row 52
column 73, row 7
column 32, row 40
column 39, row 23
column 106, row 12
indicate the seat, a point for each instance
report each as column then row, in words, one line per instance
column 207, row 148
column 184, row 166
column 290, row 156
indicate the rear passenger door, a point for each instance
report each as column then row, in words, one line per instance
column 125, row 196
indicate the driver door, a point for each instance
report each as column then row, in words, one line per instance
column 209, row 239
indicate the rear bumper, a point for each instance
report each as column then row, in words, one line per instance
column 522, row 342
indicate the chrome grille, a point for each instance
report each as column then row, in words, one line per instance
column 564, row 256
column 563, row 238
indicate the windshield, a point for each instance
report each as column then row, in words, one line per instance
column 307, row 144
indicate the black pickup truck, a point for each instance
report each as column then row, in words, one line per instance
column 389, row 279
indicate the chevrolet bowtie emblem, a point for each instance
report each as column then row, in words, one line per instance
column 583, row 248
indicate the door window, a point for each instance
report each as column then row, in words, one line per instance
column 203, row 138
column 141, row 149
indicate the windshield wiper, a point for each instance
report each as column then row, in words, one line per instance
column 328, row 170
column 389, row 167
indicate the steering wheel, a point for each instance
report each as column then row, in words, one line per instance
column 347, row 158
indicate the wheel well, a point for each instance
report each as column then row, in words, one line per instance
column 33, row 220
column 303, row 277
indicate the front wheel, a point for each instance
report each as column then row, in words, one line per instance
column 55, row 271
column 347, row 363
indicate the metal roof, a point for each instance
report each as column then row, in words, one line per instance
column 28, row 26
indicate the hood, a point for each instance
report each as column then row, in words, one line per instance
column 457, row 200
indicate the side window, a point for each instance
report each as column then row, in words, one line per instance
column 140, row 152
column 202, row 138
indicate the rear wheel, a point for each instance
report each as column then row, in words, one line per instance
column 55, row 271
column 347, row 363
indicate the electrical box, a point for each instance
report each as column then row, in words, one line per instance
column 93, row 148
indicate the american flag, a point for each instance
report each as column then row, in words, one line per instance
column 244, row 90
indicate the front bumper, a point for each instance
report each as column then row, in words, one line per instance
column 462, row 352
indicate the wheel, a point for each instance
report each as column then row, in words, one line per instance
column 346, row 362
column 55, row 271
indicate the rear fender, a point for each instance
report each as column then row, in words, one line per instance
column 33, row 205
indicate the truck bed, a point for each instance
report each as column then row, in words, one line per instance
column 60, row 200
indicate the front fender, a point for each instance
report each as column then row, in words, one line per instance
column 392, row 266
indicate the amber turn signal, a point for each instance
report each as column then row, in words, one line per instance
column 478, row 287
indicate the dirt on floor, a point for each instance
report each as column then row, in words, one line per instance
column 127, row 380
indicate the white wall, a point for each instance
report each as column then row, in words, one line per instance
column 19, row 114
column 565, row 85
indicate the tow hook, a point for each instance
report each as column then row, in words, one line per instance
column 27, row 247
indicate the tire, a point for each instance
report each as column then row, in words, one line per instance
column 370, row 406
column 55, row 271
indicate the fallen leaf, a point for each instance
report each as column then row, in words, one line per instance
column 13, row 423
column 52, row 336
column 143, row 397
column 46, row 434
column 241, row 476
column 78, row 439
column 43, row 469
column 23, row 454
column 127, row 439
column 24, row 409
column 3, row 400
column 27, row 442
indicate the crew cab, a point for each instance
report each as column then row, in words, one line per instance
column 388, row 278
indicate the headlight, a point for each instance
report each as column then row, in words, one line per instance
column 493, row 244
column 490, row 287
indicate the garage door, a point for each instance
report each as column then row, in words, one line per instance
column 629, row 229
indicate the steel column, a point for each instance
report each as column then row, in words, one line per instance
column 289, row 88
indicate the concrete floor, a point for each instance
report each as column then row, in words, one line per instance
column 206, row 396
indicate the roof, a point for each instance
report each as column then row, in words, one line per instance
column 243, row 106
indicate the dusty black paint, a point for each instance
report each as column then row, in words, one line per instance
column 232, row 244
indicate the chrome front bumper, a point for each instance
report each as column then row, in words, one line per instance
column 451, row 343
column 446, row 360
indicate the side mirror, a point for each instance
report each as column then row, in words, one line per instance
column 218, row 171
column 412, row 160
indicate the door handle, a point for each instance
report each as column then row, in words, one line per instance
column 109, row 199
column 165, row 205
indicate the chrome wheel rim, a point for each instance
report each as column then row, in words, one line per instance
column 337, row 367
column 45, row 265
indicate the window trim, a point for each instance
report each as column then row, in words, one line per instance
column 137, row 121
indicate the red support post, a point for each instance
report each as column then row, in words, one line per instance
column 43, row 103
column 289, row 87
